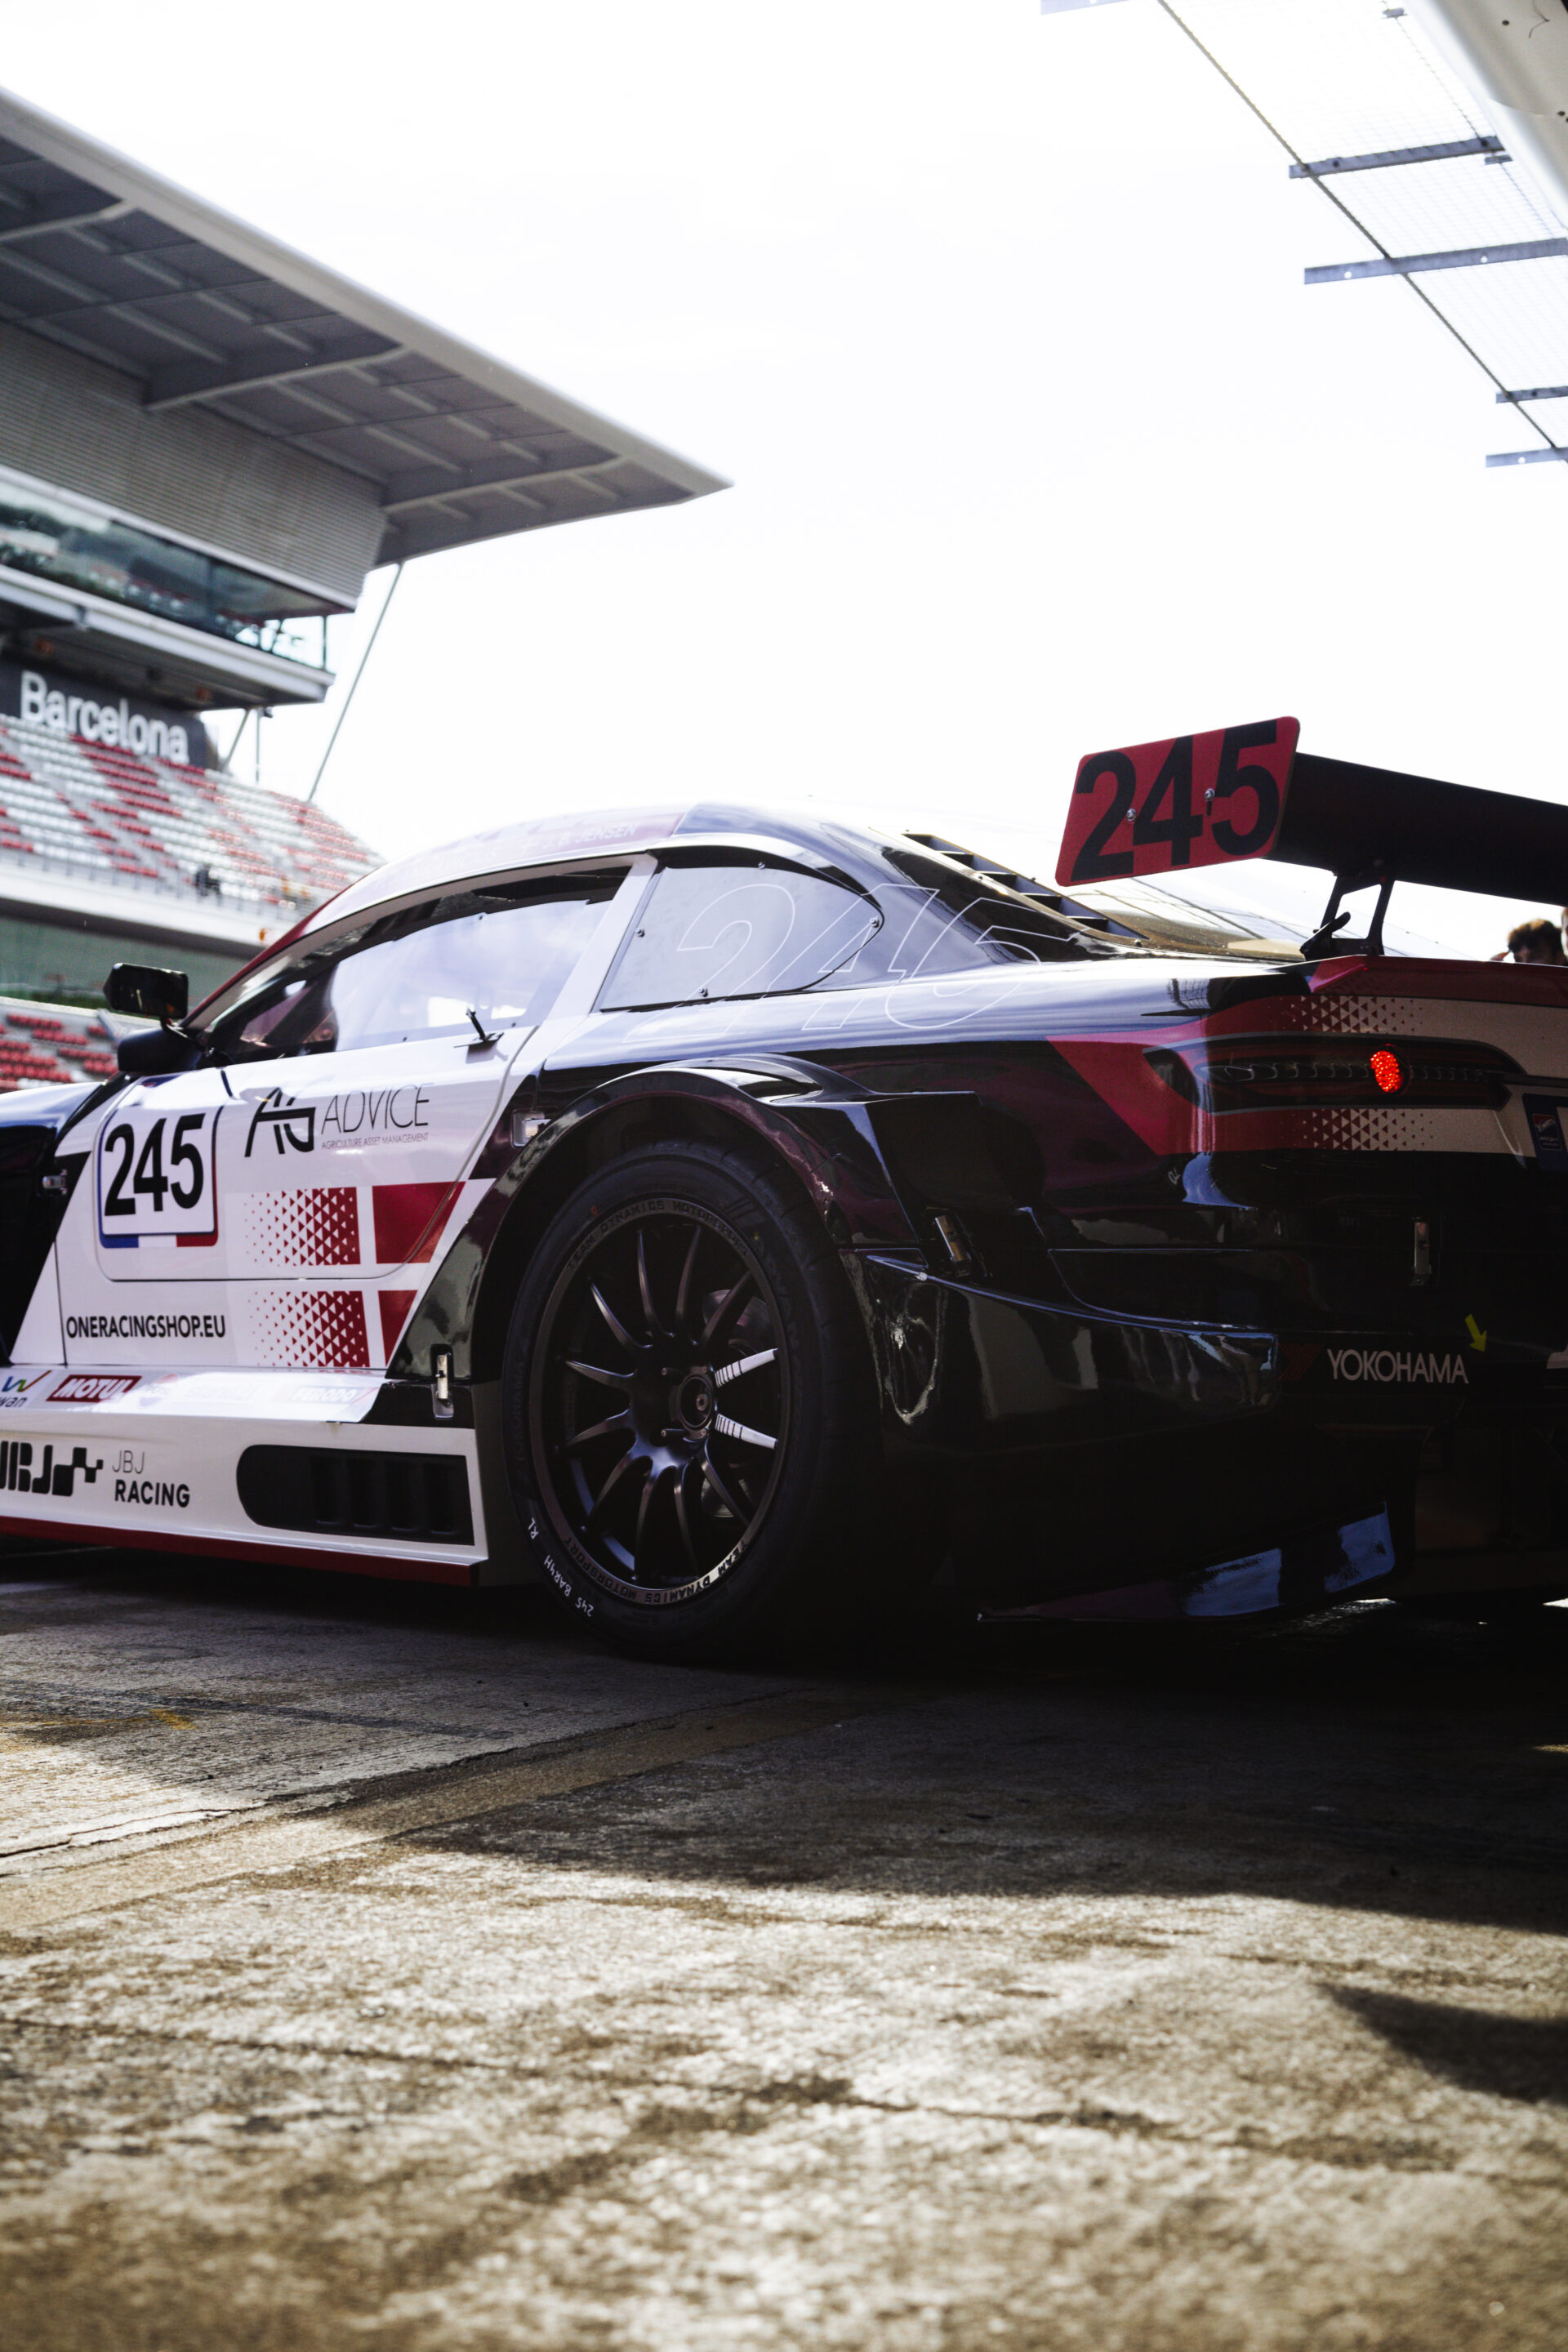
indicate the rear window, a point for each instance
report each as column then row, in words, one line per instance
column 750, row 927
column 738, row 930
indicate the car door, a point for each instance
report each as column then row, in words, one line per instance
column 284, row 1203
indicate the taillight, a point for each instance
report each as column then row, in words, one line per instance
column 1270, row 1074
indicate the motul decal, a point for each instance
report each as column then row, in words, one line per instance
column 93, row 1387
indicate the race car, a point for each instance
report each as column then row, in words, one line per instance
column 732, row 1218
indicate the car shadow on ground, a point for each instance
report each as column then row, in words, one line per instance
column 1366, row 1759
column 1521, row 2058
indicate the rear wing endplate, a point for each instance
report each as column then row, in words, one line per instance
column 1239, row 792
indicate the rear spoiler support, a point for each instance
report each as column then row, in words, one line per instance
column 1326, row 938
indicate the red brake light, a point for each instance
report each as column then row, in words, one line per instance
column 1285, row 1073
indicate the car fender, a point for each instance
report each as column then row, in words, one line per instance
column 817, row 1127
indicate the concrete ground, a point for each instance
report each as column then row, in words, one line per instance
column 389, row 1968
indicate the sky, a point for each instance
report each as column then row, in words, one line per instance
column 996, row 324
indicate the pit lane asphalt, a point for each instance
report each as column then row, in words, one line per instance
column 393, row 1968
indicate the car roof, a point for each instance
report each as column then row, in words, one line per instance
column 572, row 839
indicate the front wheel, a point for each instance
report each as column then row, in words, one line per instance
column 688, row 1408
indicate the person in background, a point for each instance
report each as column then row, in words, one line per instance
column 1537, row 941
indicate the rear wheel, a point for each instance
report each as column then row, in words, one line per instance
column 688, row 1417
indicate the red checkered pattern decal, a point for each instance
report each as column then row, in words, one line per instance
column 313, row 1330
column 313, row 1226
column 1393, row 1129
column 1328, row 1014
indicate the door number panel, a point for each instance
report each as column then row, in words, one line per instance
column 155, row 1176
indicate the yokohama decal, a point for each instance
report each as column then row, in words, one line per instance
column 1403, row 1364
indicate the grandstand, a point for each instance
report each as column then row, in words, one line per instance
column 48, row 1047
column 81, row 808
column 105, row 857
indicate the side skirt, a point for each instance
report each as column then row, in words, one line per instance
column 1313, row 1570
column 241, row 1467
column 348, row 1563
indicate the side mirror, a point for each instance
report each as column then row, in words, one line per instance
column 154, row 1053
column 142, row 989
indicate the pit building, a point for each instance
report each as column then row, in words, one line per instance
column 207, row 442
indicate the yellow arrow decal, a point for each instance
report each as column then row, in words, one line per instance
column 1478, row 1337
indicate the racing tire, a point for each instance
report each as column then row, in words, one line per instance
column 689, row 1410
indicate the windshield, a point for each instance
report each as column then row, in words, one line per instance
column 493, row 956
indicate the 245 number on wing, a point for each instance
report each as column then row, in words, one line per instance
column 1192, row 799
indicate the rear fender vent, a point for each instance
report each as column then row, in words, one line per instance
column 409, row 1497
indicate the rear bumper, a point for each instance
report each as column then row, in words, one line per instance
column 1089, row 1455
column 969, row 1370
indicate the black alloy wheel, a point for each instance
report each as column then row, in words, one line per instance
column 688, row 1404
column 660, row 1399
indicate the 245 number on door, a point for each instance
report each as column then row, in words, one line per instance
column 156, row 1176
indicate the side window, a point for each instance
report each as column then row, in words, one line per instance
column 956, row 928
column 504, row 952
column 737, row 930
column 937, row 923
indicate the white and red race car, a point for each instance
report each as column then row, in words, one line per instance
column 724, row 1215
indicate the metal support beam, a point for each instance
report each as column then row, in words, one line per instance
column 180, row 383
column 1540, row 249
column 353, row 686
column 1550, row 456
column 1390, row 155
column 1537, row 392
column 43, row 222
column 473, row 485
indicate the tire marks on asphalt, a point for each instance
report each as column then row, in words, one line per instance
column 318, row 1830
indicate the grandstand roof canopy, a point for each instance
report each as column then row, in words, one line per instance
column 104, row 257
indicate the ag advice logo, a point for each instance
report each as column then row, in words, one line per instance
column 290, row 1122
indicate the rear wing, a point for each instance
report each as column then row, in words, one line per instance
column 1247, row 792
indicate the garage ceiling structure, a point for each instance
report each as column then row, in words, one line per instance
column 199, row 378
